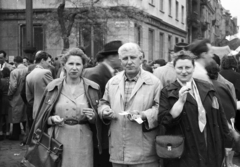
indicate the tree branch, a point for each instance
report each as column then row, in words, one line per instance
column 61, row 20
column 71, row 22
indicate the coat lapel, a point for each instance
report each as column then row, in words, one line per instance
column 138, row 85
column 203, row 89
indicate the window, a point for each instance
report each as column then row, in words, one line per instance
column 151, row 44
column 161, row 5
column 182, row 40
column 176, row 40
column 161, row 45
column 138, row 34
column 182, row 19
column 177, row 10
column 170, row 7
column 169, row 46
column 38, row 38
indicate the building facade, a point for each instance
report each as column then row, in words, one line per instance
column 165, row 26
column 208, row 19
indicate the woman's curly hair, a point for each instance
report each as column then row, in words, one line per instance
column 229, row 62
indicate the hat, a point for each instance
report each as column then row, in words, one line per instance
column 110, row 48
column 180, row 46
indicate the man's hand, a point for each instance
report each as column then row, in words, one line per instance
column 107, row 114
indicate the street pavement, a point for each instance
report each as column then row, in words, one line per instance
column 11, row 154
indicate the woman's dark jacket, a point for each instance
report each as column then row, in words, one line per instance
column 234, row 78
column 228, row 103
column 196, row 153
column 50, row 97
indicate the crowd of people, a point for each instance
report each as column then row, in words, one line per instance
column 109, row 114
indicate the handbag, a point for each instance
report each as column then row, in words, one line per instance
column 45, row 150
column 169, row 146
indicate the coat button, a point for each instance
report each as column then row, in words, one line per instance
column 184, row 113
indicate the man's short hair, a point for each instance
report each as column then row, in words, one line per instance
column 199, row 46
column 130, row 47
column 41, row 55
column 18, row 59
column 4, row 53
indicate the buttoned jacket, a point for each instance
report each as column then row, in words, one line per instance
column 50, row 97
column 130, row 142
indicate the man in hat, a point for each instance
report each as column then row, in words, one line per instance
column 101, row 74
column 167, row 74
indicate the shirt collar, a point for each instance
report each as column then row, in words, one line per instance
column 109, row 67
column 132, row 79
column 4, row 64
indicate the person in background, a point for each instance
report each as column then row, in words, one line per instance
column 158, row 63
column 191, row 108
column 37, row 81
column 4, row 103
column 3, row 62
column 73, row 112
column 57, row 65
column 203, row 54
column 221, row 79
column 17, row 113
column 137, row 92
column 147, row 67
column 229, row 103
column 26, row 61
column 228, row 71
column 167, row 73
column 101, row 75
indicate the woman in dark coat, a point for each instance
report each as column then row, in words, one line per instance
column 4, row 102
column 190, row 107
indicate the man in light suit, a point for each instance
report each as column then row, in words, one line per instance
column 37, row 80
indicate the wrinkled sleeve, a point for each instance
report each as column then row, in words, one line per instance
column 164, row 116
column 29, row 94
column 104, row 103
column 227, row 136
column 12, row 84
column 152, row 113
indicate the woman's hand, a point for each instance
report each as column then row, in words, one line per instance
column 89, row 114
column 56, row 119
column 183, row 94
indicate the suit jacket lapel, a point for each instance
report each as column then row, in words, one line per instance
column 106, row 71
